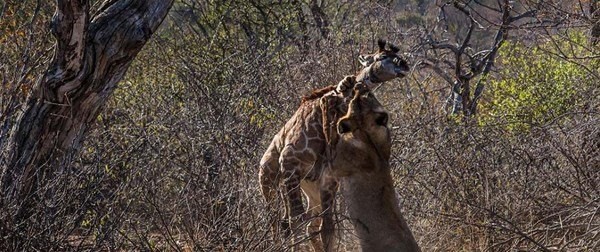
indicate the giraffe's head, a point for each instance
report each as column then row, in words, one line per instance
column 383, row 65
column 364, row 137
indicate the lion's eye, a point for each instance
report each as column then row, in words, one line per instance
column 344, row 127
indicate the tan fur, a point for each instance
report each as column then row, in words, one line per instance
column 361, row 162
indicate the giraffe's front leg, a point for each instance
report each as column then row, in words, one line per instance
column 329, row 187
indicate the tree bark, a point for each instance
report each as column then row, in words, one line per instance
column 91, row 55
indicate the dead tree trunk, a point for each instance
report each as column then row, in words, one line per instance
column 91, row 55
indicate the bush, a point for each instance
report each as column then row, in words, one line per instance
column 537, row 84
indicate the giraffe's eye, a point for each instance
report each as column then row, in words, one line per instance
column 381, row 119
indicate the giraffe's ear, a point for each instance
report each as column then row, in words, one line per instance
column 366, row 59
column 381, row 44
column 345, row 125
column 394, row 48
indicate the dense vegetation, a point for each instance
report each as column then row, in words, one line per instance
column 171, row 162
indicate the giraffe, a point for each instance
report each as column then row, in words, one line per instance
column 360, row 159
column 295, row 154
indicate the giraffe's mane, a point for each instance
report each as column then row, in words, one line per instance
column 317, row 93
